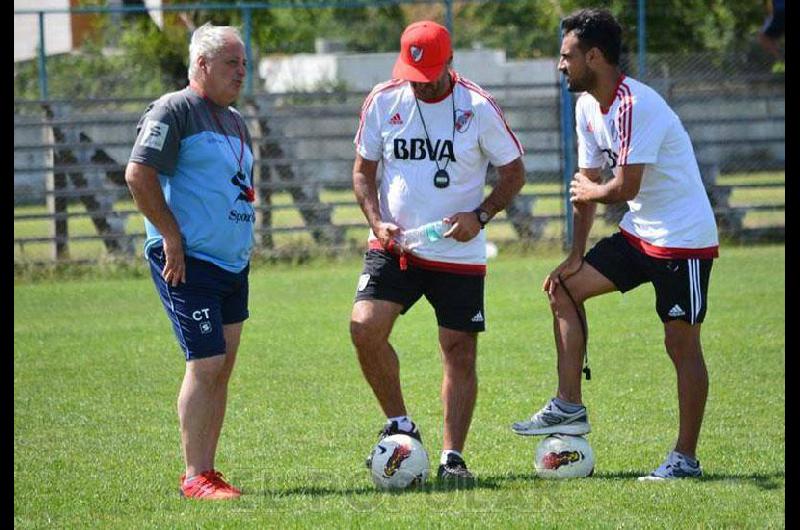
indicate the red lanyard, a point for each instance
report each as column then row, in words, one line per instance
column 238, row 131
column 240, row 179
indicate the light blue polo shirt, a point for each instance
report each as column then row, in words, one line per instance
column 195, row 146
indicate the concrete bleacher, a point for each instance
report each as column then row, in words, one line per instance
column 303, row 142
column 733, row 126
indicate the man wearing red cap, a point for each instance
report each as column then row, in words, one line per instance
column 433, row 133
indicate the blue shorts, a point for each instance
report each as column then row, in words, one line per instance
column 211, row 298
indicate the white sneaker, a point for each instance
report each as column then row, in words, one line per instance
column 553, row 420
column 675, row 466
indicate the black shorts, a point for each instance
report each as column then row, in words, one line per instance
column 681, row 284
column 457, row 299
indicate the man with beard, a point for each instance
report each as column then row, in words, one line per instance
column 433, row 134
column 667, row 238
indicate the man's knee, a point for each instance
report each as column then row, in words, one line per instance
column 371, row 323
column 682, row 340
column 209, row 370
column 364, row 334
column 461, row 366
column 560, row 302
column 460, row 354
column 573, row 291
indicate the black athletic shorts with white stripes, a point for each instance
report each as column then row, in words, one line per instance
column 681, row 284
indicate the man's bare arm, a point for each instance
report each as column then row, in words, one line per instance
column 365, row 189
column 510, row 181
column 465, row 225
column 143, row 183
column 624, row 186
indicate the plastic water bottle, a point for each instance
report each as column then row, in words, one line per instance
column 427, row 233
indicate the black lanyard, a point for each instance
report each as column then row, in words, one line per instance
column 441, row 179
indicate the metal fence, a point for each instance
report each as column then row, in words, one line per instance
column 70, row 150
column 733, row 108
column 76, row 153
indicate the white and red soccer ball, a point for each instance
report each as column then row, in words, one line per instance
column 399, row 461
column 564, row 456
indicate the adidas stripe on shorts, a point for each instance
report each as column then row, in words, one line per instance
column 681, row 285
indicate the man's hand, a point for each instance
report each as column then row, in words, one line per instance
column 463, row 226
column 386, row 232
column 175, row 264
column 142, row 180
column 568, row 267
column 581, row 189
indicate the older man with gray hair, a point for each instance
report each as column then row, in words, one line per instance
column 190, row 173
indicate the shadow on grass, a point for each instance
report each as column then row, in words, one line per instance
column 764, row 481
column 429, row 487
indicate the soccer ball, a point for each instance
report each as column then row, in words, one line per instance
column 564, row 456
column 399, row 461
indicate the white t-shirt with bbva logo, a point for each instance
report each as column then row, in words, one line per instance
column 466, row 131
column 671, row 216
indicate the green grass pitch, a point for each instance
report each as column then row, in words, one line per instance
column 97, row 370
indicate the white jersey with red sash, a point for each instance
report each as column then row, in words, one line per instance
column 461, row 133
column 671, row 216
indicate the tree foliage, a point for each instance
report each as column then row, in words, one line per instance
column 529, row 28
column 147, row 60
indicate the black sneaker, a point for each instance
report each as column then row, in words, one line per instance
column 392, row 428
column 454, row 472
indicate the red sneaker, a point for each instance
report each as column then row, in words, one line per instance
column 225, row 483
column 208, row 485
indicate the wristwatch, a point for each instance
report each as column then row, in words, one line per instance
column 483, row 216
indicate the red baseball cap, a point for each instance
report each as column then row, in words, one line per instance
column 424, row 51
